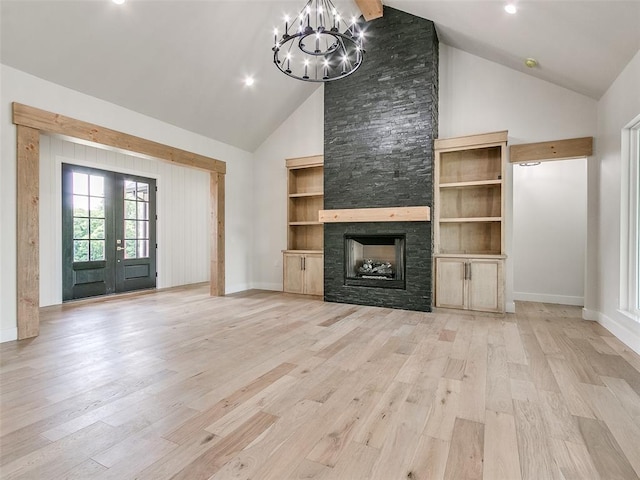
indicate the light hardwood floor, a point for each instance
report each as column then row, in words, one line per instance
column 264, row 385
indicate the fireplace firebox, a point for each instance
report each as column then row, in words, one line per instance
column 374, row 261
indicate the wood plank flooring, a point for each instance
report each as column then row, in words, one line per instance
column 264, row 385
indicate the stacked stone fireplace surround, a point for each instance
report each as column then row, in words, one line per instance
column 379, row 128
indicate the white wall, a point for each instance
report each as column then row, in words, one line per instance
column 182, row 208
column 17, row 86
column 550, row 231
column 301, row 135
column 478, row 96
column 618, row 106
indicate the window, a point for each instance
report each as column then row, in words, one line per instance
column 630, row 221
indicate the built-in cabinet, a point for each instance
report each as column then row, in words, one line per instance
column 303, row 273
column 469, row 222
column 303, row 264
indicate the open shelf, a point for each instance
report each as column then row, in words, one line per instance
column 305, row 186
column 470, row 184
column 306, row 237
column 306, row 181
column 474, row 201
column 305, row 208
column 472, row 165
column 309, row 194
column 480, row 238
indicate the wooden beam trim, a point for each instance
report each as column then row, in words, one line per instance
column 371, row 9
column 555, row 150
column 471, row 141
column 28, row 232
column 30, row 122
column 59, row 124
column 303, row 162
column 392, row 214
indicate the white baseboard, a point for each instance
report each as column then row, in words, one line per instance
column 546, row 298
column 8, row 335
column 238, row 287
column 627, row 336
column 591, row 315
column 267, row 286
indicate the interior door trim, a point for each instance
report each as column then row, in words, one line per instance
column 30, row 122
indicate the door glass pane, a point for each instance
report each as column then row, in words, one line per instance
column 143, row 230
column 130, row 249
column 143, row 248
column 129, row 190
column 96, row 183
column 97, row 250
column 80, row 206
column 97, row 206
column 130, row 229
column 143, row 191
column 80, row 250
column 97, row 229
column 143, row 211
column 80, row 183
column 130, row 209
column 80, row 228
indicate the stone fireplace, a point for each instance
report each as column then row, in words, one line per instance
column 380, row 124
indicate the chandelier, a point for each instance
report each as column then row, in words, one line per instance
column 314, row 49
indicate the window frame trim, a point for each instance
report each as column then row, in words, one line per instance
column 630, row 221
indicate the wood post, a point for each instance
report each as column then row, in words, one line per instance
column 217, row 234
column 28, row 230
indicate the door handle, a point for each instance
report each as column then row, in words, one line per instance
column 119, row 248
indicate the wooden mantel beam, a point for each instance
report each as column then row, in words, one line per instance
column 371, row 9
column 392, row 214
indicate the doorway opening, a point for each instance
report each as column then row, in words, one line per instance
column 108, row 232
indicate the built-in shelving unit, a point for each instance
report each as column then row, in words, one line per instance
column 469, row 222
column 303, row 258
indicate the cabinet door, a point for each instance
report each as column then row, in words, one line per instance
column 485, row 285
column 293, row 273
column 314, row 274
column 450, row 282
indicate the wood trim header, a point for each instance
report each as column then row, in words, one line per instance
column 303, row 162
column 371, row 9
column 470, row 141
column 391, row 214
column 555, row 150
column 59, row 124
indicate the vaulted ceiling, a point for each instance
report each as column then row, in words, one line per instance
column 184, row 62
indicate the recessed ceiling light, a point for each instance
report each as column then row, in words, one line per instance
column 118, row 2
column 510, row 8
column 248, row 81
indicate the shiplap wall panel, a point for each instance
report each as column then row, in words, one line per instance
column 182, row 208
